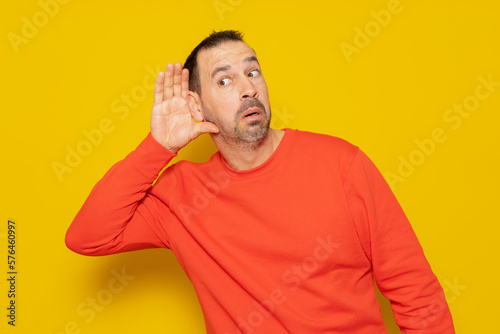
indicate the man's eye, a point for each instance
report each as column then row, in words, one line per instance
column 223, row 82
column 253, row 73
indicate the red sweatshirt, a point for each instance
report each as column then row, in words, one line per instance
column 290, row 246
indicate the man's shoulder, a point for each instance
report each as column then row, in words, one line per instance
column 315, row 141
column 183, row 174
column 192, row 166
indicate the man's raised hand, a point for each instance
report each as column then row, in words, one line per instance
column 171, row 122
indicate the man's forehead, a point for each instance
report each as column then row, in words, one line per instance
column 224, row 54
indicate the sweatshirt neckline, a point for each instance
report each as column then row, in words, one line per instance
column 268, row 165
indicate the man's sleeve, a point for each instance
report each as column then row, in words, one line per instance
column 400, row 268
column 120, row 214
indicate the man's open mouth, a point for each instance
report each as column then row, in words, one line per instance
column 254, row 111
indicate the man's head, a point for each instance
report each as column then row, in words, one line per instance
column 228, row 89
column 213, row 40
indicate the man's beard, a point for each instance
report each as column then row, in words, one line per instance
column 251, row 132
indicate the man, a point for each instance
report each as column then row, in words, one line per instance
column 281, row 231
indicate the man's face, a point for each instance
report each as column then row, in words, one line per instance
column 234, row 93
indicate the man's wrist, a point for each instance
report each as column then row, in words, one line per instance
column 150, row 156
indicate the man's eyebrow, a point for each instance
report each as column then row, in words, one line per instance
column 252, row 58
column 227, row 67
column 220, row 69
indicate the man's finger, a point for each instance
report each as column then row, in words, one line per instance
column 185, row 82
column 168, row 83
column 158, row 91
column 177, row 79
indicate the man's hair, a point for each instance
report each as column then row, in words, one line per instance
column 213, row 40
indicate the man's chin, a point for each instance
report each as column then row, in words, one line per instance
column 254, row 132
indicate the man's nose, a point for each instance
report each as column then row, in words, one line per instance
column 248, row 89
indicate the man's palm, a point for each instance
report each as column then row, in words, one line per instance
column 171, row 122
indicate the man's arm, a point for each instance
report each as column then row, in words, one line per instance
column 400, row 268
column 120, row 214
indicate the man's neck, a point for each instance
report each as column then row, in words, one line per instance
column 243, row 156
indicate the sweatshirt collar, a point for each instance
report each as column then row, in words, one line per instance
column 267, row 165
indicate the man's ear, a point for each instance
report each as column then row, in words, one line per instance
column 194, row 104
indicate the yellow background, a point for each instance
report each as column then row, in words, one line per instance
column 74, row 69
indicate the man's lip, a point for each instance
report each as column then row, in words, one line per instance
column 252, row 110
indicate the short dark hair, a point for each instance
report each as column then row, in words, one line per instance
column 213, row 40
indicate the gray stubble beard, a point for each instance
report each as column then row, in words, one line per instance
column 250, row 139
